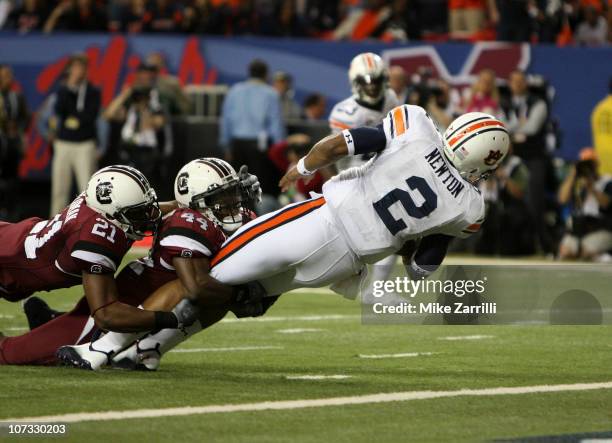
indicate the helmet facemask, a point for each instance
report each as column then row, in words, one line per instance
column 222, row 204
column 142, row 219
column 370, row 89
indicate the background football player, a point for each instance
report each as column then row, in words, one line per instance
column 371, row 100
column 420, row 186
column 211, row 204
column 85, row 243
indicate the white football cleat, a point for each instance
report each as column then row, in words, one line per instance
column 136, row 359
column 83, row 357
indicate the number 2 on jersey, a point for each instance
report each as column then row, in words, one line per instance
column 429, row 204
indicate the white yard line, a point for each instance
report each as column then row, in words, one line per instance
column 319, row 291
column 298, row 330
column 466, row 337
column 318, row 377
column 292, row 318
column 401, row 355
column 310, row 403
column 234, row 349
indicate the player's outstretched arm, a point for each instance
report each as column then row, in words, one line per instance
column 199, row 285
column 429, row 255
column 112, row 315
column 325, row 152
column 169, row 206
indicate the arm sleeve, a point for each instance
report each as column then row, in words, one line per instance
column 100, row 246
column 429, row 256
column 58, row 108
column 276, row 131
column 186, row 243
column 225, row 130
column 364, row 140
column 535, row 120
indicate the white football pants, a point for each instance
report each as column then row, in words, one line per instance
column 298, row 246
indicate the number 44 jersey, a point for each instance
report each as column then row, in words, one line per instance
column 408, row 190
column 42, row 255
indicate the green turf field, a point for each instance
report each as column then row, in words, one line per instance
column 300, row 338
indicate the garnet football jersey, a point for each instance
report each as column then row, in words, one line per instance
column 41, row 255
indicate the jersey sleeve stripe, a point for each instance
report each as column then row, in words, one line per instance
column 96, row 249
column 338, row 124
column 399, row 122
column 188, row 233
column 179, row 241
column 95, row 258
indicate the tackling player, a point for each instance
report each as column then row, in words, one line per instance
column 209, row 194
column 84, row 244
column 419, row 185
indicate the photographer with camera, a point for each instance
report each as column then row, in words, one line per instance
column 145, row 131
column 589, row 230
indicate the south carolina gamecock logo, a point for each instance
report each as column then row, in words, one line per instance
column 103, row 192
column 493, row 158
column 181, row 183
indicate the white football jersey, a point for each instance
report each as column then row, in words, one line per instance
column 349, row 114
column 408, row 190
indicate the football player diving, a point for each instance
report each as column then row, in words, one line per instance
column 186, row 235
column 419, row 186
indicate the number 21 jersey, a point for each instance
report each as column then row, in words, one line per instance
column 42, row 255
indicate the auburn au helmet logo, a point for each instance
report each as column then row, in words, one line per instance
column 493, row 157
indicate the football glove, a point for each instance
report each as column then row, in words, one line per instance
column 186, row 313
column 249, row 186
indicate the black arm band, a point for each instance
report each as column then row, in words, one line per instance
column 432, row 250
column 367, row 140
column 165, row 320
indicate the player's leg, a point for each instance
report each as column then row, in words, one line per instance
column 61, row 176
column 596, row 243
column 247, row 254
column 380, row 271
column 134, row 288
column 84, row 164
column 38, row 346
column 323, row 259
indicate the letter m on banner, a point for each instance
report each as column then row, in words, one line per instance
column 502, row 58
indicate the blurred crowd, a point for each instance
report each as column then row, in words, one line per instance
column 536, row 202
column 583, row 22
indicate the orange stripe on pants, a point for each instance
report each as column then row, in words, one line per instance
column 243, row 238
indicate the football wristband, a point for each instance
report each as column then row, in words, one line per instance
column 165, row 320
column 301, row 167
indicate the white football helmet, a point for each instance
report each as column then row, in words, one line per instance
column 476, row 144
column 123, row 194
column 368, row 76
column 212, row 187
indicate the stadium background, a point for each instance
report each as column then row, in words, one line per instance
column 571, row 73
